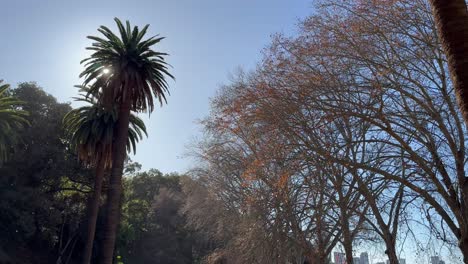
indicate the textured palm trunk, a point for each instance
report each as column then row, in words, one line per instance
column 119, row 153
column 451, row 19
column 93, row 210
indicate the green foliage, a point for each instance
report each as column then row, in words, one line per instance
column 152, row 228
column 44, row 189
column 126, row 67
column 42, row 185
column 12, row 118
column 119, row 260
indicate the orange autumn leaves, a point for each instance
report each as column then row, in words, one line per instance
column 260, row 111
column 337, row 106
column 246, row 117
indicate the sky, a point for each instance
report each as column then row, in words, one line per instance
column 44, row 41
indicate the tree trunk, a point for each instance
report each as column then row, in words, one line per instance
column 119, row 153
column 463, row 240
column 451, row 19
column 463, row 245
column 94, row 209
column 348, row 246
column 390, row 249
column 344, row 219
column 315, row 258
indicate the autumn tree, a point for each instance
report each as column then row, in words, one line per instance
column 362, row 91
column 381, row 63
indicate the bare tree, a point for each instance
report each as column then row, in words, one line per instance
column 380, row 62
column 339, row 130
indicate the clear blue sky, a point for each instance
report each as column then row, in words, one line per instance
column 44, row 41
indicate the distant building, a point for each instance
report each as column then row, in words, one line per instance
column 339, row 258
column 400, row 261
column 436, row 260
column 356, row 260
column 364, row 258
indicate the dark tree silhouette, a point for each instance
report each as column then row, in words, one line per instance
column 129, row 74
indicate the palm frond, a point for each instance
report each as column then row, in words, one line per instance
column 136, row 71
column 12, row 118
column 90, row 128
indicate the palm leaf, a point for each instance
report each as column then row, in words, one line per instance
column 91, row 128
column 12, row 118
column 137, row 71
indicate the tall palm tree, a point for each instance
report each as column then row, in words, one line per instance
column 11, row 119
column 451, row 19
column 130, row 74
column 91, row 131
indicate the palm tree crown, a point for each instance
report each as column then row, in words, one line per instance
column 91, row 129
column 11, row 119
column 126, row 68
column 124, row 72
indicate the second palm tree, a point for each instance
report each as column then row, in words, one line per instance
column 130, row 75
column 91, row 129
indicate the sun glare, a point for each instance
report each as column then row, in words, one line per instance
column 105, row 71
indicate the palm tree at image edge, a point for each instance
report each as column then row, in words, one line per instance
column 12, row 118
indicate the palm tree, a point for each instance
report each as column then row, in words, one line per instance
column 451, row 19
column 129, row 74
column 91, row 131
column 11, row 119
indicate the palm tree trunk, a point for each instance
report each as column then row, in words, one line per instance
column 94, row 209
column 451, row 19
column 119, row 153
